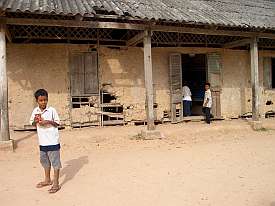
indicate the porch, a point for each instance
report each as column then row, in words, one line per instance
column 89, row 37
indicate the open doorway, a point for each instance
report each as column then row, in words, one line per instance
column 194, row 73
column 273, row 72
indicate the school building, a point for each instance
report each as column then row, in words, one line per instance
column 119, row 62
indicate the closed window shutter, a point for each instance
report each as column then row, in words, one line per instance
column 91, row 73
column 77, row 74
column 214, row 68
column 267, row 73
column 175, row 85
column 176, row 77
column 214, row 62
column 84, row 74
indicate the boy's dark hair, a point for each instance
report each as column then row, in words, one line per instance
column 208, row 84
column 40, row 92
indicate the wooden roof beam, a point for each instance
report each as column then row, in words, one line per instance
column 237, row 43
column 8, row 35
column 131, row 26
column 135, row 40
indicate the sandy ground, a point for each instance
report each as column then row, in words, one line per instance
column 196, row 164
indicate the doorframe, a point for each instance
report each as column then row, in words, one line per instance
column 216, row 98
column 206, row 65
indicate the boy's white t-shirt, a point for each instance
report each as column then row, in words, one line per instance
column 208, row 96
column 186, row 93
column 47, row 135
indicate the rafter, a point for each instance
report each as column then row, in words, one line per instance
column 237, row 43
column 136, row 39
column 131, row 26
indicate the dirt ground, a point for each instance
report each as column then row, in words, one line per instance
column 223, row 164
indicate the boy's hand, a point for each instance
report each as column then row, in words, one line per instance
column 48, row 122
column 42, row 122
column 36, row 121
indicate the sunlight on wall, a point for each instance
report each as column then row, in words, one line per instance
column 115, row 66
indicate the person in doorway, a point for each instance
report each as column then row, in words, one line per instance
column 46, row 120
column 207, row 103
column 187, row 100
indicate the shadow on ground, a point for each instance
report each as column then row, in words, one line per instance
column 72, row 167
column 18, row 141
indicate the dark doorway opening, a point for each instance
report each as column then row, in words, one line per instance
column 194, row 70
column 273, row 72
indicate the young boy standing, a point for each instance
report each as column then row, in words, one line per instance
column 46, row 120
column 187, row 100
column 207, row 103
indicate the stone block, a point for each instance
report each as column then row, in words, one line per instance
column 151, row 134
column 257, row 125
column 7, row 145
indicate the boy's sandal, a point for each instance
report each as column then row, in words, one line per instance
column 54, row 189
column 43, row 184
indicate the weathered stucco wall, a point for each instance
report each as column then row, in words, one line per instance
column 47, row 66
column 123, row 69
column 236, row 91
column 31, row 67
column 235, row 95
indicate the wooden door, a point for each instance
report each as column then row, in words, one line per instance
column 214, row 62
column 175, row 85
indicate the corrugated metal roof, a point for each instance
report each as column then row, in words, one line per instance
column 244, row 13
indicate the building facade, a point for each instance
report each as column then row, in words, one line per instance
column 107, row 64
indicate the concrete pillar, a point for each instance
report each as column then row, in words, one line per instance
column 4, row 121
column 149, row 80
column 254, row 58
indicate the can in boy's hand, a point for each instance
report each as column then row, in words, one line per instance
column 38, row 117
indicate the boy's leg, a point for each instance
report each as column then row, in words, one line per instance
column 47, row 174
column 45, row 162
column 207, row 115
column 56, row 164
column 184, row 108
column 189, row 108
column 204, row 113
column 56, row 178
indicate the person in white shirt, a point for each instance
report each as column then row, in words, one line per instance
column 187, row 100
column 207, row 103
column 47, row 121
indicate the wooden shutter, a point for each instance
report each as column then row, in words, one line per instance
column 267, row 72
column 84, row 74
column 176, row 78
column 91, row 73
column 214, row 62
column 175, row 83
column 77, row 74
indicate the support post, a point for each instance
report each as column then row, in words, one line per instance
column 148, row 80
column 254, row 58
column 4, row 121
